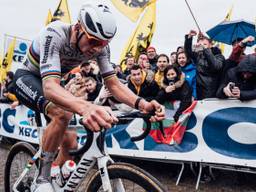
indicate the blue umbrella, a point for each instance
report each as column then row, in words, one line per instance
column 229, row 31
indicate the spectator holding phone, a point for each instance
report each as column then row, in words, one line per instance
column 170, row 92
column 76, row 86
column 240, row 81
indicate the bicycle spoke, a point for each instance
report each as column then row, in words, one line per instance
column 129, row 186
column 18, row 165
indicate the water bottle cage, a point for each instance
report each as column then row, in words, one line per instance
column 59, row 179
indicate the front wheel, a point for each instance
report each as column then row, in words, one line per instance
column 16, row 162
column 133, row 179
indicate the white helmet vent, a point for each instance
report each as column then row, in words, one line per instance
column 98, row 20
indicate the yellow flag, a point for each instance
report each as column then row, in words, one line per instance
column 142, row 36
column 1, row 69
column 132, row 8
column 62, row 12
column 227, row 18
column 7, row 61
column 49, row 17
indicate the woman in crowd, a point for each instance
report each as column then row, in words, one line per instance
column 170, row 92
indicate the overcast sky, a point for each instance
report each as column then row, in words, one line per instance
column 24, row 18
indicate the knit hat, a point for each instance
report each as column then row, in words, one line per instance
column 151, row 48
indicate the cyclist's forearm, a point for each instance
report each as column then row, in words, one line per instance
column 58, row 95
column 121, row 92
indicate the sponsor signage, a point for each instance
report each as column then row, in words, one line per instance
column 218, row 131
column 20, row 50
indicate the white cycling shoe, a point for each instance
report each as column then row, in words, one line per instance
column 41, row 187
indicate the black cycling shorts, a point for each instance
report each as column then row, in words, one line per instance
column 29, row 91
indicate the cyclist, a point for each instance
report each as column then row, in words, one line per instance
column 57, row 49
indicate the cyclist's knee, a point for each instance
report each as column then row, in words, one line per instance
column 59, row 115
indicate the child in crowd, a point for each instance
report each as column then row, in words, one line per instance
column 169, row 91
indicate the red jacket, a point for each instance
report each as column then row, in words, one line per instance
column 237, row 53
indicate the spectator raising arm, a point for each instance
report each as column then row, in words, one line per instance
column 188, row 45
column 238, row 49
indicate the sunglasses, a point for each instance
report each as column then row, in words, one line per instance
column 94, row 41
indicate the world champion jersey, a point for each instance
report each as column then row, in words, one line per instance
column 51, row 54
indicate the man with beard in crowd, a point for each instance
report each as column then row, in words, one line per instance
column 152, row 57
column 92, row 88
column 130, row 61
column 162, row 63
column 140, row 85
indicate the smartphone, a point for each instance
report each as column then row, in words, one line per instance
column 171, row 83
column 231, row 86
column 198, row 48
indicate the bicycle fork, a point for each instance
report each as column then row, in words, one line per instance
column 107, row 187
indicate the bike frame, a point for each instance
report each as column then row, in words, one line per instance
column 94, row 150
column 97, row 153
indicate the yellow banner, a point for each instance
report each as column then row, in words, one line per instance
column 1, row 68
column 132, row 8
column 142, row 36
column 227, row 18
column 49, row 17
column 62, row 12
column 7, row 60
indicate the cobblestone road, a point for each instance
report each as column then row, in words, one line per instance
column 226, row 181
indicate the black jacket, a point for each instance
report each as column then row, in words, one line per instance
column 147, row 90
column 92, row 96
column 126, row 73
column 97, row 77
column 9, row 88
column 247, row 87
column 153, row 63
column 209, row 64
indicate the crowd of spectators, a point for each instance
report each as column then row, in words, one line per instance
column 191, row 72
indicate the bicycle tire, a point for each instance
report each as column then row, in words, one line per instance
column 18, row 148
column 128, row 172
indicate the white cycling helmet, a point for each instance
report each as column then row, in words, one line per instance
column 97, row 20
